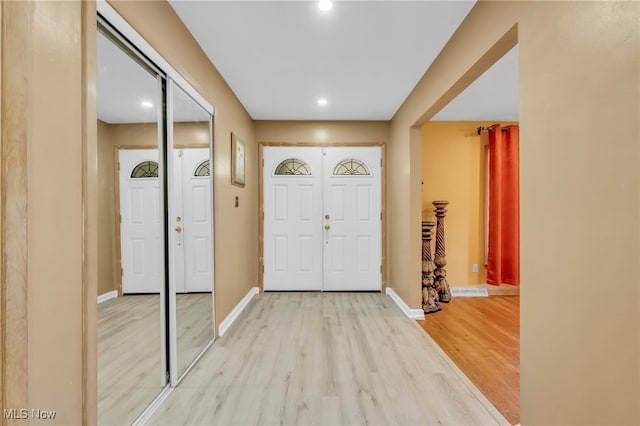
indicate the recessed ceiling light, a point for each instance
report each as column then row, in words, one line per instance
column 146, row 104
column 325, row 5
column 322, row 101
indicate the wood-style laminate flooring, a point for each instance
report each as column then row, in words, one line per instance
column 325, row 359
column 482, row 336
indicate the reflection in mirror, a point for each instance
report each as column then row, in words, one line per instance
column 191, row 225
column 131, row 361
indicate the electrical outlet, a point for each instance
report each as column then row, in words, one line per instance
column 474, row 267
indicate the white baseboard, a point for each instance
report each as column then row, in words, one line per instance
column 235, row 313
column 469, row 292
column 107, row 296
column 416, row 314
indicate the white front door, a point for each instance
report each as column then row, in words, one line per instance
column 192, row 225
column 292, row 208
column 322, row 218
column 352, row 220
column 140, row 221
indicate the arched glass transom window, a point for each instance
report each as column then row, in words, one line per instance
column 146, row 169
column 351, row 166
column 293, row 166
column 202, row 169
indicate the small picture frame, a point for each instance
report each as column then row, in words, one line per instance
column 238, row 151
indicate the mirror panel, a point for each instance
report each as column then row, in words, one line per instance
column 191, row 227
column 131, row 334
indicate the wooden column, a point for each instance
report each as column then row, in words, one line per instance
column 440, row 260
column 430, row 298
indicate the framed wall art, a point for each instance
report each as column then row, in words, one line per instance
column 238, row 151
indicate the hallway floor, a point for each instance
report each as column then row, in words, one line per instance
column 326, row 359
column 481, row 335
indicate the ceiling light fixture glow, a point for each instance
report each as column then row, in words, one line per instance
column 146, row 104
column 322, row 101
column 325, row 5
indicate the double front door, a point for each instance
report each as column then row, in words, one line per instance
column 322, row 218
column 140, row 221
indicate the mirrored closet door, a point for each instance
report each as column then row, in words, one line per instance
column 190, row 230
column 155, row 266
column 132, row 362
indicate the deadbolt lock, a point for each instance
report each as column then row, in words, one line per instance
column 178, row 219
column 326, row 216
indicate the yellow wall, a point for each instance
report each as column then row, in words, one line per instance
column 579, row 148
column 236, row 229
column 453, row 169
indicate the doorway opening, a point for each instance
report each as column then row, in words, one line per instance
column 455, row 167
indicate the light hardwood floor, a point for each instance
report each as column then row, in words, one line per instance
column 481, row 335
column 326, row 359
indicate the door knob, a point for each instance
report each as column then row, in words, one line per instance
column 178, row 228
column 327, row 227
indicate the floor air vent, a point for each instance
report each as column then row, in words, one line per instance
column 469, row 292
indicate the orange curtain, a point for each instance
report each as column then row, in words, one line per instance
column 504, row 206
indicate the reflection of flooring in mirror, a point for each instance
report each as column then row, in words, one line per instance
column 194, row 323
column 325, row 358
column 128, row 357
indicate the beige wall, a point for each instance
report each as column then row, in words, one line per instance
column 236, row 229
column 322, row 132
column 579, row 108
column 453, row 169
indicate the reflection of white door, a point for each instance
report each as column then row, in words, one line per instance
column 193, row 221
column 322, row 218
column 140, row 221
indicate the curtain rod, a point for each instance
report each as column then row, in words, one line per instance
column 490, row 128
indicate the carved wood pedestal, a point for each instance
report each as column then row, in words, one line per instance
column 430, row 298
column 440, row 260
